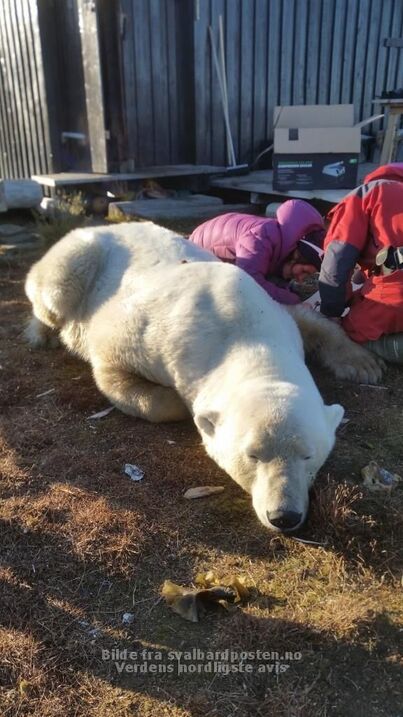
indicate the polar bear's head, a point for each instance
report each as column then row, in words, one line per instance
column 57, row 284
column 272, row 441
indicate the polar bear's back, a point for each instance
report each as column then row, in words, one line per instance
column 149, row 244
column 131, row 249
column 150, row 277
column 89, row 265
column 191, row 313
column 184, row 275
column 223, row 293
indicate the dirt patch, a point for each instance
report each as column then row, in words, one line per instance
column 81, row 545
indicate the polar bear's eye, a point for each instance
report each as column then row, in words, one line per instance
column 253, row 458
column 307, row 458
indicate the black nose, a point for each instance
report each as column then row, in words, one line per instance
column 284, row 519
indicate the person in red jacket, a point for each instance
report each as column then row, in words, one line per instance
column 367, row 229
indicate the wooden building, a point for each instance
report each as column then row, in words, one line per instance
column 117, row 85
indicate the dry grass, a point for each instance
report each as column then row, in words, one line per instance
column 107, row 535
column 81, row 544
column 333, row 505
column 69, row 214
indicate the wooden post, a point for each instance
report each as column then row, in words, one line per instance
column 393, row 113
column 93, row 84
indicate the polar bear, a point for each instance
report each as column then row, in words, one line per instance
column 170, row 332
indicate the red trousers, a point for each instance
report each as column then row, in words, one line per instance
column 376, row 308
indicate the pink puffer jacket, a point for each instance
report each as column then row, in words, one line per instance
column 259, row 245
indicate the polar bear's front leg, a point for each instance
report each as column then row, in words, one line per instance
column 38, row 335
column 327, row 341
column 138, row 397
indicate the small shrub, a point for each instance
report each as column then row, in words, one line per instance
column 69, row 214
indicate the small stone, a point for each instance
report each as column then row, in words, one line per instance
column 134, row 472
column 127, row 618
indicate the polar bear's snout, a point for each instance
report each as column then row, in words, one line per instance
column 284, row 520
column 280, row 495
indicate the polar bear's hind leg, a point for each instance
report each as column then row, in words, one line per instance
column 137, row 396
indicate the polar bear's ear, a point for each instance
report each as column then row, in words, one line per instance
column 206, row 422
column 334, row 414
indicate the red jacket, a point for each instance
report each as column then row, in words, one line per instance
column 365, row 221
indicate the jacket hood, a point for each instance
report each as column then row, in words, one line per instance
column 296, row 218
column 387, row 171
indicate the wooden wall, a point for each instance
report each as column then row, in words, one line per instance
column 290, row 52
column 157, row 83
column 157, row 77
column 24, row 125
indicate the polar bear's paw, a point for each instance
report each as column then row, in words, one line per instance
column 40, row 336
column 357, row 364
column 329, row 343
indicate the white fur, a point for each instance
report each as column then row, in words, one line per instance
column 170, row 331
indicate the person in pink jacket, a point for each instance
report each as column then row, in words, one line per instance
column 288, row 247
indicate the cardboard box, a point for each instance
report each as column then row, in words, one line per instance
column 315, row 147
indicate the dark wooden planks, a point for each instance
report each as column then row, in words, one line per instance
column 155, row 77
column 202, row 82
column 327, row 31
column 339, row 20
column 286, row 53
column 11, row 93
column 395, row 58
column 273, row 54
column 300, row 52
column 360, row 57
column 373, row 42
column 129, row 85
column 291, row 52
column 246, row 105
column 312, row 57
column 276, row 51
column 234, row 65
column 218, row 136
column 260, row 77
column 25, row 144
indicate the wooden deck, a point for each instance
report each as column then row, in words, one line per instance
column 259, row 185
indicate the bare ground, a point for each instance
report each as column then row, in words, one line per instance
column 81, row 545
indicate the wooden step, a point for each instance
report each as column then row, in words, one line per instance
column 64, row 179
